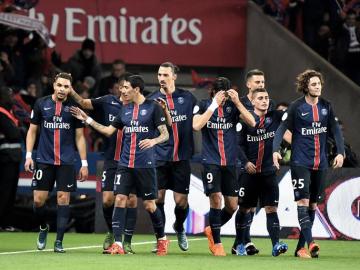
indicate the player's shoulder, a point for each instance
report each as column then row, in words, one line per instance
column 154, row 94
column 297, row 102
column 44, row 99
column 184, row 93
column 324, row 101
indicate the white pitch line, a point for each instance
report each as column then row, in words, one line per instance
column 86, row 247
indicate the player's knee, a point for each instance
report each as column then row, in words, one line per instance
column 132, row 201
column 149, row 206
column 312, row 206
column 270, row 209
column 63, row 198
column 120, row 200
column 244, row 210
column 108, row 200
column 181, row 201
column 231, row 206
column 39, row 201
column 303, row 202
column 161, row 196
column 215, row 200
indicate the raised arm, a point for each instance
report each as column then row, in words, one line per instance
column 84, row 103
column 30, row 142
column 81, row 147
column 245, row 115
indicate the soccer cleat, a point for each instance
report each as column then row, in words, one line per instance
column 155, row 249
column 251, row 249
column 162, row 247
column 302, row 253
column 314, row 250
column 218, row 250
column 209, row 236
column 240, row 250
column 182, row 240
column 279, row 248
column 58, row 248
column 128, row 249
column 41, row 241
column 108, row 241
column 114, row 249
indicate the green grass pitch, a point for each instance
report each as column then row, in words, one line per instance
column 17, row 251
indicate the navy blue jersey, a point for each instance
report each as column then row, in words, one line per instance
column 109, row 107
column 310, row 126
column 219, row 134
column 57, row 131
column 257, row 142
column 138, row 122
column 248, row 105
column 180, row 144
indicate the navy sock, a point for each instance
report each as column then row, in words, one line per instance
column 240, row 226
column 40, row 214
column 305, row 223
column 215, row 224
column 273, row 227
column 158, row 224
column 301, row 242
column 249, row 219
column 63, row 214
column 118, row 221
column 225, row 216
column 160, row 206
column 131, row 216
column 108, row 213
column 180, row 215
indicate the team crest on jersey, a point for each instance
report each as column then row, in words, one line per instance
column 324, row 111
column 228, row 109
column 66, row 109
column 143, row 112
column 267, row 120
column 180, row 100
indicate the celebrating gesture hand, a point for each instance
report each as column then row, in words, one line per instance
column 78, row 113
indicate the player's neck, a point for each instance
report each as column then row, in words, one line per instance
column 260, row 113
column 139, row 99
column 311, row 100
column 54, row 98
column 168, row 91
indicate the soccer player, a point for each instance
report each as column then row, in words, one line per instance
column 217, row 118
column 259, row 182
column 60, row 135
column 310, row 119
column 139, row 120
column 173, row 157
column 108, row 107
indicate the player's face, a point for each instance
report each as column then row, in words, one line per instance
column 128, row 93
column 124, row 98
column 261, row 101
column 314, row 87
column 166, row 78
column 61, row 88
column 255, row 82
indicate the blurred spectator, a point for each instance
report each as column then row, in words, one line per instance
column 6, row 70
column 84, row 63
column 10, row 157
column 118, row 69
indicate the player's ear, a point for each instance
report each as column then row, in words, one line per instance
column 174, row 76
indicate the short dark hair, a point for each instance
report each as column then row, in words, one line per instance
column 119, row 62
column 63, row 75
column 124, row 76
column 259, row 90
column 221, row 83
column 302, row 80
column 253, row 72
column 136, row 81
column 174, row 68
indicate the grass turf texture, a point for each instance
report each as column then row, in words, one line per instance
column 88, row 247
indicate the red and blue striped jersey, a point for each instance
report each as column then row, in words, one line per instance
column 180, row 145
column 256, row 142
column 219, row 134
column 108, row 107
column 310, row 126
column 138, row 122
column 57, row 131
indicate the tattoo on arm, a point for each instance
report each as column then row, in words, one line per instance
column 164, row 134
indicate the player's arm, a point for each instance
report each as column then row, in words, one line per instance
column 200, row 120
column 339, row 140
column 30, row 142
column 81, row 115
column 163, row 137
column 81, row 147
column 245, row 115
column 84, row 103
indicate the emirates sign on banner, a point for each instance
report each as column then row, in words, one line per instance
column 202, row 33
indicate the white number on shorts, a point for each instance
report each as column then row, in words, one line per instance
column 241, row 192
column 38, row 174
column 117, row 179
column 298, row 183
column 209, row 177
column 103, row 178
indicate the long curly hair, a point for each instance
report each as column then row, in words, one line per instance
column 303, row 79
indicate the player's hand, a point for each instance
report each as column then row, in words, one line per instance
column 78, row 113
column 250, row 167
column 220, row 97
column 146, row 144
column 162, row 103
column 234, row 96
column 29, row 165
column 338, row 161
column 276, row 158
column 83, row 173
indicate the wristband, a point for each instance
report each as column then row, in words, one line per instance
column 28, row 155
column 84, row 163
column 89, row 120
column 213, row 105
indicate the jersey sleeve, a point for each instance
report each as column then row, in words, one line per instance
column 35, row 117
column 242, row 141
column 117, row 122
column 336, row 132
column 159, row 117
column 98, row 103
column 200, row 107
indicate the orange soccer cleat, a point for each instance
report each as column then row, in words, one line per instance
column 314, row 250
column 162, row 247
column 114, row 249
column 218, row 250
column 208, row 233
column 302, row 253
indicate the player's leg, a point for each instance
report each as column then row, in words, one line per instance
column 130, row 222
column 163, row 171
column 42, row 182
column 230, row 190
column 181, row 172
